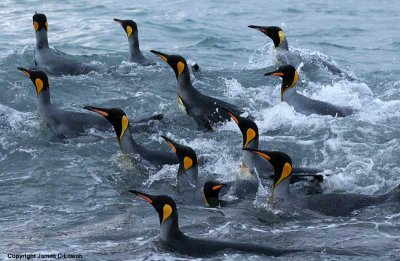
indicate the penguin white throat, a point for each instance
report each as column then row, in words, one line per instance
column 41, row 39
column 281, row 190
column 169, row 228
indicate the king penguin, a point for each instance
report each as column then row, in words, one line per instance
column 300, row 103
column 328, row 204
column 120, row 122
column 65, row 124
column 188, row 172
column 172, row 237
column 206, row 111
column 252, row 163
column 135, row 55
column 50, row 61
column 284, row 56
column 211, row 191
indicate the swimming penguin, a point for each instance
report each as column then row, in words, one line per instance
column 188, row 172
column 206, row 111
column 328, row 204
column 50, row 61
column 135, row 55
column 301, row 103
column 251, row 162
column 285, row 57
column 211, row 191
column 65, row 124
column 120, row 122
column 172, row 237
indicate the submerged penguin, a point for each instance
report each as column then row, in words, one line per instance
column 172, row 237
column 66, row 124
column 328, row 204
column 50, row 61
column 206, row 111
column 211, row 191
column 135, row 55
column 285, row 57
column 301, row 103
column 120, row 122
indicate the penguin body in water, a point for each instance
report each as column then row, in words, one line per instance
column 284, row 56
column 128, row 145
column 172, row 237
column 50, row 61
column 328, row 204
column 300, row 103
column 205, row 110
column 65, row 124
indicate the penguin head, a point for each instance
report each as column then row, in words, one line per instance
column 274, row 32
column 164, row 205
column 289, row 76
column 248, row 128
column 177, row 63
column 40, row 22
column 211, row 193
column 281, row 162
column 115, row 116
column 129, row 26
column 39, row 79
column 186, row 155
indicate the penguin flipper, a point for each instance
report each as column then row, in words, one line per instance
column 157, row 117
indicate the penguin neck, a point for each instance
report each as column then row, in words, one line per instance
column 134, row 49
column 127, row 144
column 284, row 46
column 184, row 84
column 44, row 99
column 281, row 191
column 187, row 179
column 41, row 40
column 289, row 93
column 252, row 144
column 169, row 229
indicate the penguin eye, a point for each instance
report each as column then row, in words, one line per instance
column 180, row 67
column 129, row 30
column 187, row 163
column 167, row 211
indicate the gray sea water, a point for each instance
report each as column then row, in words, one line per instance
column 70, row 196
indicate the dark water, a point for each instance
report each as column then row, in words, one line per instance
column 70, row 196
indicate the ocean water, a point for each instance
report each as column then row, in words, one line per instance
column 70, row 196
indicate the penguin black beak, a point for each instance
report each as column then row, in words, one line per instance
column 101, row 111
column 233, row 116
column 149, row 198
column 219, row 186
column 275, row 73
column 259, row 153
column 118, row 21
column 163, row 56
column 259, row 28
column 25, row 71
column 171, row 143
